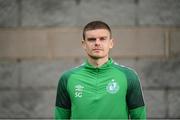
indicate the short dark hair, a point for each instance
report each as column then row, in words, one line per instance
column 96, row 25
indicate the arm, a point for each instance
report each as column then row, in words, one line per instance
column 61, row 113
column 135, row 100
column 63, row 103
column 138, row 113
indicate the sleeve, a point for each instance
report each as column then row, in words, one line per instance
column 138, row 113
column 63, row 102
column 134, row 97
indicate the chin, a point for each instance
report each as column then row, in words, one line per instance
column 96, row 56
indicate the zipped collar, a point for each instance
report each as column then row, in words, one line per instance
column 104, row 66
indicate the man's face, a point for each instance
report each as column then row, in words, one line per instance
column 97, row 43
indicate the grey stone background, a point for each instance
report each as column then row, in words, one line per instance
column 28, row 86
column 63, row 13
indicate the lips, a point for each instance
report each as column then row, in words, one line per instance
column 97, row 49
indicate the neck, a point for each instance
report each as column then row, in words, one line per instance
column 97, row 62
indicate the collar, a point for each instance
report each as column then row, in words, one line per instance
column 104, row 66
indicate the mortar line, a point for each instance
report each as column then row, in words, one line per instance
column 166, row 102
column 136, row 22
column 167, row 44
column 19, row 3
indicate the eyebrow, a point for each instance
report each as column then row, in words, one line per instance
column 91, row 38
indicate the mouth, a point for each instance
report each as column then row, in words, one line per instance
column 97, row 50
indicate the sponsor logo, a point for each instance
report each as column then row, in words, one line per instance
column 112, row 87
column 79, row 91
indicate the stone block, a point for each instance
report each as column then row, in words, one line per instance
column 44, row 73
column 159, row 12
column 115, row 12
column 65, row 42
column 175, row 43
column 39, row 104
column 155, row 103
column 9, row 13
column 9, row 74
column 174, row 103
column 77, row 13
column 23, row 43
column 27, row 104
column 49, row 43
column 159, row 73
column 10, row 106
column 138, row 42
column 49, row 13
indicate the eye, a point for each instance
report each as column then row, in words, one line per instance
column 91, row 39
column 103, row 38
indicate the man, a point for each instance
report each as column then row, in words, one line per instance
column 99, row 88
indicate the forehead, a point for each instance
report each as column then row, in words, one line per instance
column 97, row 33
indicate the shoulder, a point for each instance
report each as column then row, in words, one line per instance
column 64, row 77
column 128, row 71
column 131, row 75
column 66, row 74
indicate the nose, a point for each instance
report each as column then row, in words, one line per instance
column 97, row 42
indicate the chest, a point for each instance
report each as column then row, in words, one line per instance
column 97, row 85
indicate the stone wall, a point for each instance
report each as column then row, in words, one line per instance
column 39, row 39
column 73, row 13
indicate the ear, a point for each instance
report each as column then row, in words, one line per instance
column 83, row 44
column 111, row 43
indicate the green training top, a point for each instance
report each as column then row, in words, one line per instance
column 111, row 91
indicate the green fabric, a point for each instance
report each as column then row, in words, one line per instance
column 61, row 113
column 134, row 87
column 138, row 113
column 106, row 92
